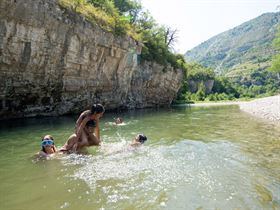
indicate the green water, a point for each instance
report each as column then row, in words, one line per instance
column 195, row 158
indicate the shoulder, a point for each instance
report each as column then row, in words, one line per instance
column 85, row 113
column 135, row 144
column 42, row 154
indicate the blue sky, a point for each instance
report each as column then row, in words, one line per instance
column 199, row 20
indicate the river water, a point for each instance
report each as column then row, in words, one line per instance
column 195, row 158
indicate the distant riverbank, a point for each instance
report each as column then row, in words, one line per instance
column 220, row 103
column 266, row 108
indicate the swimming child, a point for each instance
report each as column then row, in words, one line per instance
column 94, row 114
column 118, row 120
column 123, row 146
column 138, row 140
column 48, row 147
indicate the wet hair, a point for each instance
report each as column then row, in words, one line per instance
column 142, row 138
column 97, row 108
column 50, row 136
column 91, row 123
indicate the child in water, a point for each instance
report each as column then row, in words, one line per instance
column 94, row 114
column 123, row 146
column 73, row 144
column 48, row 147
column 119, row 120
column 138, row 140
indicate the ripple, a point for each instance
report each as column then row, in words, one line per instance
column 216, row 170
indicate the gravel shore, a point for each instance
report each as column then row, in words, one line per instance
column 219, row 103
column 267, row 108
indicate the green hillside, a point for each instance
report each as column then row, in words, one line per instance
column 240, row 50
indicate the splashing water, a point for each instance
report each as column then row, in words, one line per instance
column 151, row 173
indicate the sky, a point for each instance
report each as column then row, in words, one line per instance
column 199, row 20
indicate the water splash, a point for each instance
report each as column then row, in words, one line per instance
column 119, row 172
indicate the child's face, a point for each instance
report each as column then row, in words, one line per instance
column 97, row 116
column 48, row 144
column 90, row 129
column 49, row 149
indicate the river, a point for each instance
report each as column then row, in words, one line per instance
column 195, row 158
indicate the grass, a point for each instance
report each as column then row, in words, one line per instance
column 245, row 69
column 114, row 23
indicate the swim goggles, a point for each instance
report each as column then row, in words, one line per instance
column 46, row 142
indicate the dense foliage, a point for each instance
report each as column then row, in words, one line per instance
column 258, row 83
column 127, row 17
column 198, row 72
column 275, row 67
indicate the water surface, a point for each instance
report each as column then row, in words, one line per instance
column 195, row 158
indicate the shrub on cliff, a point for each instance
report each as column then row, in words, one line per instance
column 198, row 72
column 102, row 13
column 126, row 17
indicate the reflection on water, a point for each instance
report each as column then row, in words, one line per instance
column 195, row 158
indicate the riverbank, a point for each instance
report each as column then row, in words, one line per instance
column 266, row 108
column 220, row 103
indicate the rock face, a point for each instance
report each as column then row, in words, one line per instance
column 54, row 62
column 151, row 87
column 208, row 84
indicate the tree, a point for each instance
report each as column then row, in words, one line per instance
column 275, row 66
column 170, row 37
column 130, row 8
column 105, row 5
column 201, row 92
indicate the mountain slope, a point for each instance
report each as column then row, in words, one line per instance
column 241, row 49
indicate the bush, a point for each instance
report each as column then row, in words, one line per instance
column 200, row 94
column 212, row 97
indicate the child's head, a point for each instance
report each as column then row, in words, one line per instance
column 119, row 120
column 48, row 144
column 141, row 138
column 97, row 109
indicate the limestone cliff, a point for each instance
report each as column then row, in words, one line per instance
column 194, row 85
column 53, row 62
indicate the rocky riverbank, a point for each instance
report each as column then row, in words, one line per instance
column 266, row 108
column 219, row 103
